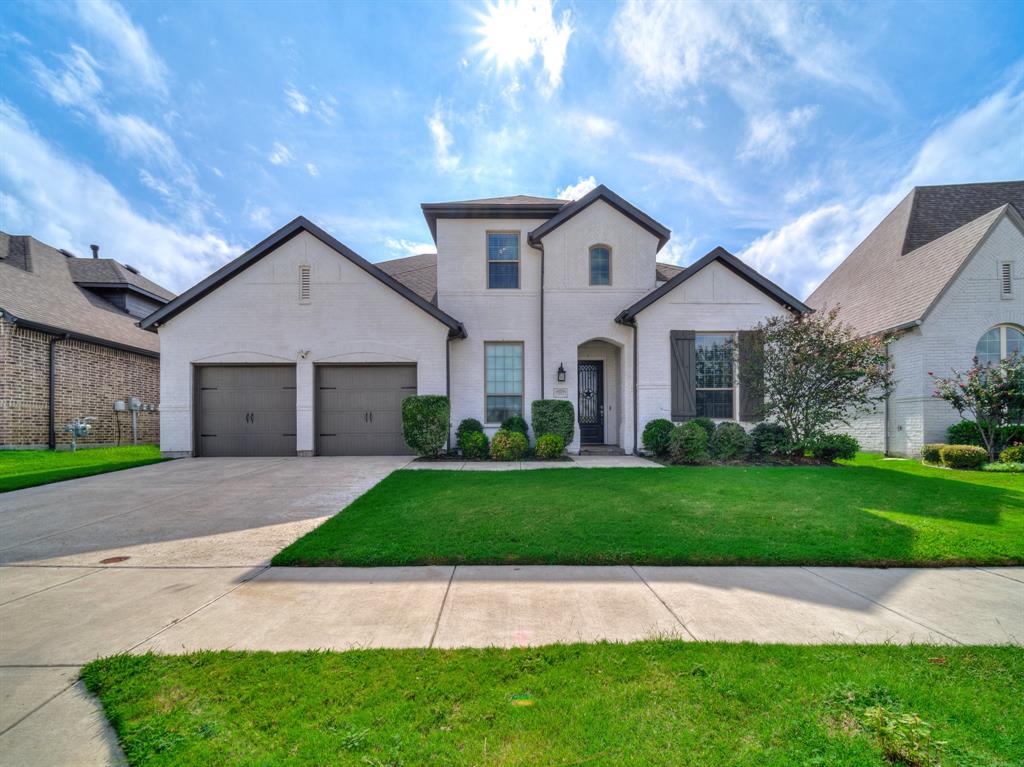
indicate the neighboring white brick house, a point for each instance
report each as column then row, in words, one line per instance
column 943, row 271
column 523, row 292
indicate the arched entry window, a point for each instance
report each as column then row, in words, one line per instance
column 999, row 343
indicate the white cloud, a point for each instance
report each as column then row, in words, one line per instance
column 592, row 125
column 296, row 101
column 771, row 135
column 66, row 204
column 280, row 154
column 135, row 58
column 577, row 190
column 258, row 215
column 443, row 141
column 515, row 32
column 312, row 170
column 678, row 168
column 679, row 252
column 326, row 109
column 402, row 248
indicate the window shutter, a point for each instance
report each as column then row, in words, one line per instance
column 751, row 376
column 684, row 366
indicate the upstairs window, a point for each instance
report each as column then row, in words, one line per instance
column 999, row 343
column 600, row 265
column 503, row 260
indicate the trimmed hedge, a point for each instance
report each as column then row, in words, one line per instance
column 1012, row 454
column 553, row 416
column 426, row 419
column 508, row 445
column 550, row 446
column 771, row 439
column 656, row 435
column 473, row 445
column 467, row 425
column 705, row 423
column 966, row 433
column 963, row 456
column 930, row 453
column 829, row 447
column 688, row 443
column 516, row 423
column 730, row 442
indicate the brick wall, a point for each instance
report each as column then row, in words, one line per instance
column 89, row 379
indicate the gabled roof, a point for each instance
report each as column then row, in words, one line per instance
column 601, row 193
column 727, row 259
column 108, row 273
column 878, row 289
column 514, row 206
column 938, row 210
column 278, row 238
column 38, row 291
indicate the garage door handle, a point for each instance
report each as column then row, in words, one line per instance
column 371, row 416
column 366, row 417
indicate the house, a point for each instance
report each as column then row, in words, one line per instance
column 943, row 274
column 71, row 347
column 302, row 346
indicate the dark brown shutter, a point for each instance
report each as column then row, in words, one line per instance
column 751, row 376
column 684, row 366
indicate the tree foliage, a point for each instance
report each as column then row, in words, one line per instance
column 812, row 373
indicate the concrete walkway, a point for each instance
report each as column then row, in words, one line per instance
column 198, row 535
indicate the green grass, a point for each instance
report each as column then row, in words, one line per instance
column 869, row 512
column 27, row 468
column 604, row 705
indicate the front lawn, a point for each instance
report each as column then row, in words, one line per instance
column 868, row 512
column 604, row 705
column 26, row 468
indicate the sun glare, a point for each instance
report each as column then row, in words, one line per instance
column 506, row 36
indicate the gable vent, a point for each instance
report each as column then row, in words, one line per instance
column 1006, row 279
column 305, row 287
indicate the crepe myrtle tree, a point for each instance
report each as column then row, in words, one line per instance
column 810, row 372
column 992, row 395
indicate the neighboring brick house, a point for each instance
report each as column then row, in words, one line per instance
column 71, row 323
column 944, row 274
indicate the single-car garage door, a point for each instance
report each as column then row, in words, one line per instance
column 245, row 410
column 359, row 408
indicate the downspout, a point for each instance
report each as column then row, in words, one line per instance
column 52, row 441
column 448, row 383
column 885, row 412
column 636, row 365
column 540, row 247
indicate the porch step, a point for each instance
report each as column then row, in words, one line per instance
column 601, row 450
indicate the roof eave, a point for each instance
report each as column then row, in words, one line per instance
column 435, row 210
column 662, row 232
column 52, row 330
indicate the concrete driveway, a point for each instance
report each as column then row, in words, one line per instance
column 197, row 535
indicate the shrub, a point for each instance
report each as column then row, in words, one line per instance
column 963, row 456
column 1012, row 454
column 516, row 423
column 706, row 424
column 1004, row 468
column 656, row 433
column 729, row 442
column 771, row 439
column 829, row 447
column 688, row 443
column 508, row 445
column 930, row 453
column 467, row 425
column 425, row 423
column 473, row 445
column 553, row 416
column 550, row 446
column 966, row 433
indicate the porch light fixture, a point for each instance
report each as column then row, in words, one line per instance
column 561, row 373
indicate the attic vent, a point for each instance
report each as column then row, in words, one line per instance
column 304, row 284
column 1006, row 279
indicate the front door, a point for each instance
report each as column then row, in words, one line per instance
column 590, row 404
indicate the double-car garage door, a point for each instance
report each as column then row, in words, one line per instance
column 249, row 410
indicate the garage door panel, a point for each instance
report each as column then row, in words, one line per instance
column 359, row 408
column 246, row 410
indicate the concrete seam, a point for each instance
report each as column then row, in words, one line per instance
column 185, row 617
column 664, row 603
column 884, row 606
column 45, row 702
column 56, row 585
column 999, row 574
column 444, row 601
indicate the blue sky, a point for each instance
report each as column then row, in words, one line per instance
column 177, row 135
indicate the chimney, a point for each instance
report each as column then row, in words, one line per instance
column 95, row 251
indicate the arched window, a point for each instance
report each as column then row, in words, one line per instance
column 999, row 343
column 600, row 265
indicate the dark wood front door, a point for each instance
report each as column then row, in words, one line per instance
column 590, row 401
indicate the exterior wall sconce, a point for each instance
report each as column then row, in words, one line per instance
column 561, row 373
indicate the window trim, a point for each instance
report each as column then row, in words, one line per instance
column 518, row 262
column 1002, row 328
column 590, row 265
column 521, row 395
column 733, row 336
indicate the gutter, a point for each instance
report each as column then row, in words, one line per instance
column 70, row 334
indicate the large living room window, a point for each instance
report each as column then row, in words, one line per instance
column 1000, row 342
column 503, row 371
column 503, row 259
column 715, row 379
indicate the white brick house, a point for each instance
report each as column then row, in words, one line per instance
column 944, row 273
column 301, row 346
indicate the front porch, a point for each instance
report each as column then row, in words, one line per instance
column 599, row 392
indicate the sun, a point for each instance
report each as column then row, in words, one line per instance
column 506, row 32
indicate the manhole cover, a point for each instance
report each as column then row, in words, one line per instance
column 113, row 560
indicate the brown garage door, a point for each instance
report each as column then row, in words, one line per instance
column 245, row 410
column 359, row 408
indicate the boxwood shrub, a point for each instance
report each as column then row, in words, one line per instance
column 930, row 453
column 516, row 423
column 656, row 434
column 425, row 423
column 467, row 425
column 706, row 424
column 473, row 445
column 963, row 456
column 553, row 416
column 730, row 442
column 771, row 439
column 829, row 447
column 688, row 444
column 508, row 445
column 549, row 446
